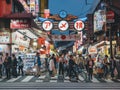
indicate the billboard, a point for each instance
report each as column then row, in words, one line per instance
column 99, row 20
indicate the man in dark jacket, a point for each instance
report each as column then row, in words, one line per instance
column 112, row 66
column 7, row 64
column 14, row 66
column 71, row 67
column 90, row 65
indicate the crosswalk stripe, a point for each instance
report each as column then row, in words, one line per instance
column 14, row 79
column 55, row 77
column 66, row 80
column 81, row 78
column 118, row 79
column 41, row 77
column 2, row 78
column 108, row 80
column 95, row 80
column 27, row 79
column 53, row 80
column 39, row 81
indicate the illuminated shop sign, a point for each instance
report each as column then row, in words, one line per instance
column 62, row 25
column 79, row 25
column 20, row 39
column 47, row 25
column 99, row 20
column 4, row 37
column 19, row 24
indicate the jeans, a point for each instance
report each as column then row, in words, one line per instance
column 112, row 72
column 0, row 70
column 105, row 71
column 90, row 73
column 61, row 69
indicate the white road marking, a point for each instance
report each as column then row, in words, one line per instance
column 27, row 79
column 2, row 78
column 108, row 80
column 53, row 80
column 42, row 77
column 95, row 80
column 39, row 81
column 14, row 79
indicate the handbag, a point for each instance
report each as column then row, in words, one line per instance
column 115, row 72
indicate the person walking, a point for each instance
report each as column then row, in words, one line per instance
column 61, row 65
column 38, row 64
column 7, row 64
column 51, row 67
column 1, row 64
column 14, row 66
column 112, row 67
column 90, row 65
column 55, row 61
column 106, row 64
column 71, row 67
column 20, row 65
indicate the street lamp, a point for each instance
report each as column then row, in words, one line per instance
column 35, row 44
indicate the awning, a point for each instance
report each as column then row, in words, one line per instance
column 40, row 33
column 19, row 15
column 28, row 33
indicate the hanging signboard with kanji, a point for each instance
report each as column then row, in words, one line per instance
column 79, row 25
column 47, row 25
column 63, row 25
column 19, row 24
column 110, row 17
column 61, row 22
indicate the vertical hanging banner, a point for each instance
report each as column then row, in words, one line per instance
column 37, row 7
column 80, row 41
column 32, row 6
column 46, row 13
column 26, row 7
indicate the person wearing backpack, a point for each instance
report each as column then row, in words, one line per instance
column 90, row 65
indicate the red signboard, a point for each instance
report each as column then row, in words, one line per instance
column 19, row 24
column 5, row 9
column 110, row 15
column 41, row 41
column 46, row 13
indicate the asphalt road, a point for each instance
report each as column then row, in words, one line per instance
column 59, row 86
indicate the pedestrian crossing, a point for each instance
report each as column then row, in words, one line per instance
column 25, row 79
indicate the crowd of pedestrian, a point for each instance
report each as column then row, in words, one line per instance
column 9, row 65
column 62, row 64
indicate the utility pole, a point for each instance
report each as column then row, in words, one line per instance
column 110, row 38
